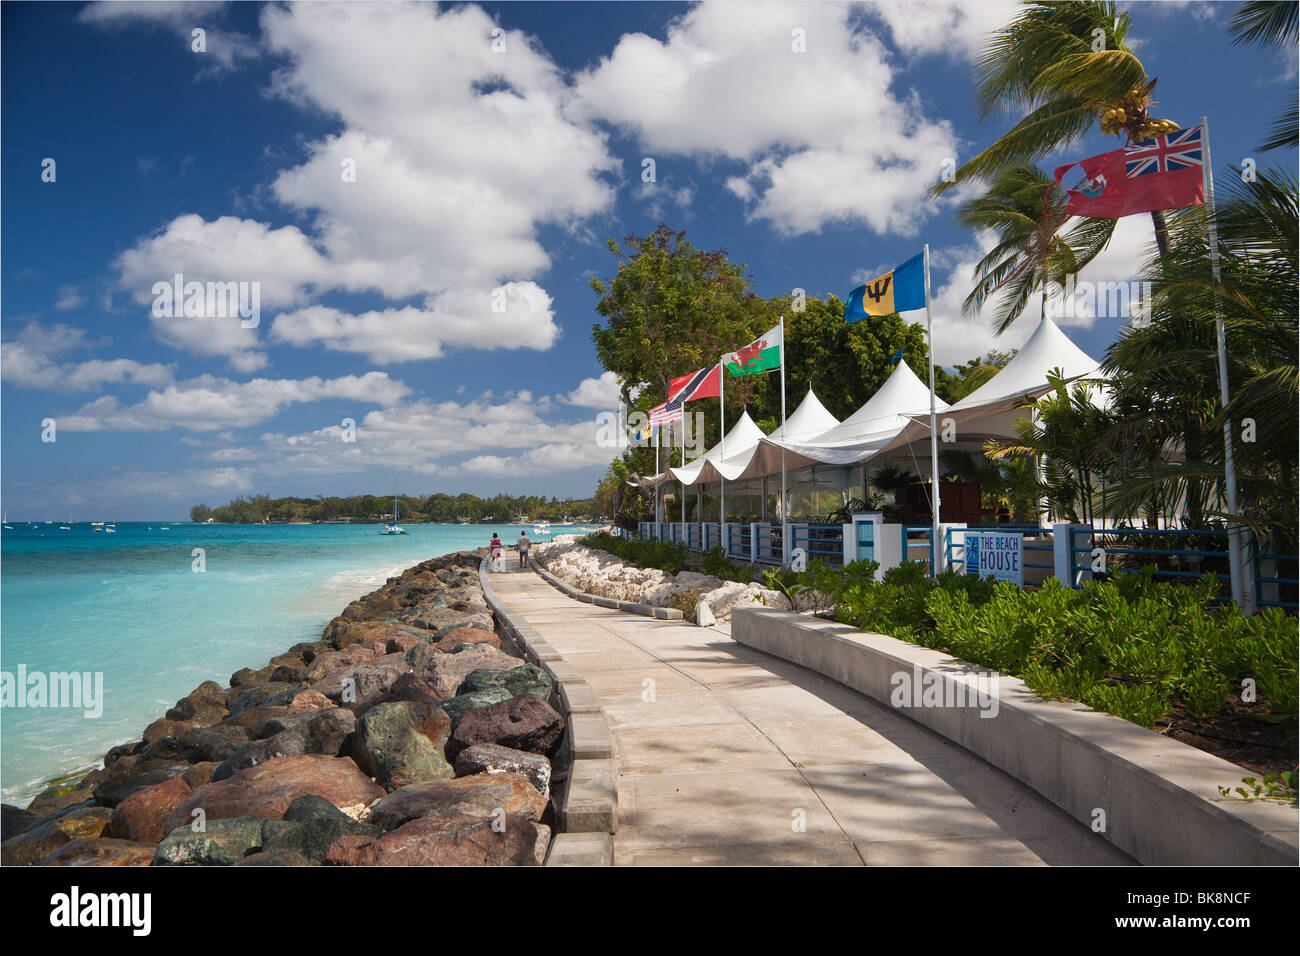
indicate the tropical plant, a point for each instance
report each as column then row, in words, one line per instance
column 1169, row 420
column 1065, row 65
column 1065, row 431
column 1271, row 23
column 1029, row 253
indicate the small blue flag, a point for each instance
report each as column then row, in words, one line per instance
column 896, row 357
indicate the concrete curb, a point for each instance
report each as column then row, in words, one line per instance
column 587, row 811
column 1158, row 797
column 628, row 607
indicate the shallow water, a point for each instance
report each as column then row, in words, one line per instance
column 130, row 606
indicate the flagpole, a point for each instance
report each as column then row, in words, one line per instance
column 1229, row 460
column 682, row 483
column 934, row 434
column 785, row 494
column 722, row 435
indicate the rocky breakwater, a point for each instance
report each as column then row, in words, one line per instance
column 406, row 735
column 606, row 575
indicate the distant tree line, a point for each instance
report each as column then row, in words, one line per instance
column 440, row 507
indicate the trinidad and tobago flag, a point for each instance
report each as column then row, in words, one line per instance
column 1163, row 173
column 704, row 383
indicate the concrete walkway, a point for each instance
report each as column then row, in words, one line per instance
column 728, row 756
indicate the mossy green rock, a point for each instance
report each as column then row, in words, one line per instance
column 524, row 679
column 222, row 843
column 460, row 705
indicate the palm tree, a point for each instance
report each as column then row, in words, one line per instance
column 1170, row 362
column 1068, row 65
column 1271, row 23
column 1030, row 253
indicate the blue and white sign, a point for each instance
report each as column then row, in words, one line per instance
column 996, row 554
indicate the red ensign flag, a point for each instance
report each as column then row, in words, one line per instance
column 1164, row 173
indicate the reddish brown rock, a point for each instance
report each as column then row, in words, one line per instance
column 467, row 635
column 446, row 672
column 163, row 727
column 453, row 839
column 478, row 795
column 140, row 817
column 267, row 789
column 308, row 701
column 414, row 688
column 101, row 852
column 359, row 687
column 522, row 723
column 333, row 660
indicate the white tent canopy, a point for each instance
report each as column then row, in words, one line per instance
column 718, row 461
column 992, row 410
column 896, row 416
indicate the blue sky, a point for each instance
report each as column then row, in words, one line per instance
column 478, row 172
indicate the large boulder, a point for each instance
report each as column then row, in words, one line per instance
column 402, row 743
column 467, row 635
column 493, row 758
column 359, row 687
column 310, row 826
column 317, row 732
column 270, row 694
column 40, row 840
column 446, row 672
column 267, row 789
column 131, row 774
column 333, row 660
column 413, row 687
column 140, row 818
column 216, row 743
column 479, row 795
column 90, row 851
column 220, row 843
column 452, row 839
column 521, row 723
column 524, row 679
column 460, row 705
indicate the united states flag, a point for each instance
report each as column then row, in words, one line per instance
column 666, row 414
column 1164, row 154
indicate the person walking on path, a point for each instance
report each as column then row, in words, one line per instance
column 494, row 551
column 522, row 544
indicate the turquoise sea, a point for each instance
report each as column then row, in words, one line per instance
column 130, row 606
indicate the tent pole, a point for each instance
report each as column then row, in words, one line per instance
column 935, row 550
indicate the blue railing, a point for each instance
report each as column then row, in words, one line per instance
column 824, row 542
column 1128, row 555
column 769, row 549
column 1271, row 588
column 739, row 545
column 911, row 544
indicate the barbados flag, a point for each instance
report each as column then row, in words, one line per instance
column 901, row 290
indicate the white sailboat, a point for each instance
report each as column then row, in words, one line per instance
column 393, row 527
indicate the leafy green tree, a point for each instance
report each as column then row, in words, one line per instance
column 1169, row 364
